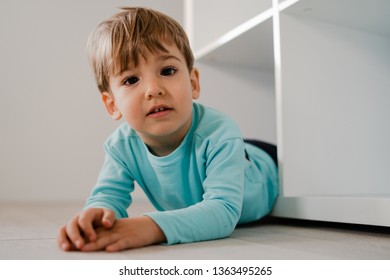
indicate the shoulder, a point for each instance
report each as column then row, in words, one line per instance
column 122, row 133
column 121, row 140
column 214, row 124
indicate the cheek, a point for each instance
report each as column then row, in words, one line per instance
column 133, row 119
column 132, row 111
column 128, row 109
column 185, row 90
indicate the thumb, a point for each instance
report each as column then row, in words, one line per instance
column 108, row 218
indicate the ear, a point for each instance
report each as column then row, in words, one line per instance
column 109, row 102
column 194, row 78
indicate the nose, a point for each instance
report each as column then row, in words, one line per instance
column 153, row 89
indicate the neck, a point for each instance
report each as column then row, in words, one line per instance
column 162, row 148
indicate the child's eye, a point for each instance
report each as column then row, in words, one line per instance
column 130, row 81
column 168, row 71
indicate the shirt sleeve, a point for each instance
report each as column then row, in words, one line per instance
column 218, row 213
column 113, row 187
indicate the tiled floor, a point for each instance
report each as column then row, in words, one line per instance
column 29, row 232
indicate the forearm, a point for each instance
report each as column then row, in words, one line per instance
column 205, row 221
column 151, row 232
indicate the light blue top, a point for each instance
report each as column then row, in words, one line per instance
column 201, row 190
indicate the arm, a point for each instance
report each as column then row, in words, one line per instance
column 113, row 187
column 219, row 211
column 214, row 217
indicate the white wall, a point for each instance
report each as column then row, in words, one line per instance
column 52, row 122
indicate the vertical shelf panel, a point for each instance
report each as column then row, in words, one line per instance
column 335, row 87
column 335, row 70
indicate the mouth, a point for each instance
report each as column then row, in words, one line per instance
column 158, row 109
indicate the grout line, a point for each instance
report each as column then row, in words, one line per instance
column 27, row 239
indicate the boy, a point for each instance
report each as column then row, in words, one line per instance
column 190, row 160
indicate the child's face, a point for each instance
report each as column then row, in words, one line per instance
column 155, row 98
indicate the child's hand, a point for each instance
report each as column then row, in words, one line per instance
column 126, row 234
column 82, row 228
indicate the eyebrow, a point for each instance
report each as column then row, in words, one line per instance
column 168, row 56
column 160, row 58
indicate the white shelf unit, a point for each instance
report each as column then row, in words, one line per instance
column 227, row 67
column 335, row 69
column 329, row 63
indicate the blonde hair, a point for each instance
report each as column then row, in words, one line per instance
column 121, row 40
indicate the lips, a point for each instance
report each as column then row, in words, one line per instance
column 158, row 109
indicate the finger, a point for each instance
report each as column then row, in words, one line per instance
column 120, row 245
column 63, row 240
column 73, row 233
column 108, row 219
column 86, row 223
column 101, row 242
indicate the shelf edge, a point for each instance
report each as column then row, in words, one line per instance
column 287, row 3
column 369, row 210
column 234, row 33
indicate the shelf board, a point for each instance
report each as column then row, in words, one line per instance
column 248, row 45
column 251, row 43
column 367, row 210
column 369, row 16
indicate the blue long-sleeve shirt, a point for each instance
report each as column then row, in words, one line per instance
column 202, row 190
